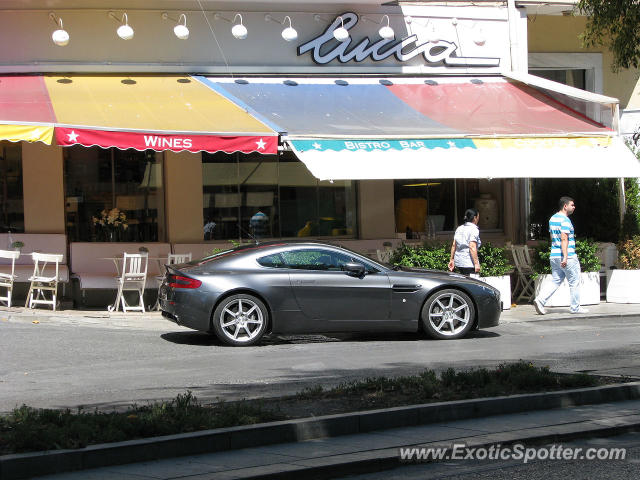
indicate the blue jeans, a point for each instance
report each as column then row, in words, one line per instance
column 558, row 274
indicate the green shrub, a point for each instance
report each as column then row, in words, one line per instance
column 585, row 249
column 433, row 257
column 493, row 260
column 629, row 253
column 29, row 429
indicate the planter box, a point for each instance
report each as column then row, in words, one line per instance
column 623, row 286
column 503, row 284
column 589, row 290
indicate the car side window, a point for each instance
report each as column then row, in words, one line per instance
column 273, row 261
column 315, row 259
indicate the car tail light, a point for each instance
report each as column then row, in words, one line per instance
column 176, row 281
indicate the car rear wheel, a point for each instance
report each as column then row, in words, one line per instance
column 448, row 314
column 240, row 320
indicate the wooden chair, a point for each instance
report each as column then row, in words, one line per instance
column 44, row 279
column 525, row 284
column 132, row 278
column 6, row 279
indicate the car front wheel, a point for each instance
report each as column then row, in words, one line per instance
column 240, row 320
column 448, row 314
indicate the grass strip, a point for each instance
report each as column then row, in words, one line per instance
column 28, row 429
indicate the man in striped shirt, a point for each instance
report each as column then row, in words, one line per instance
column 564, row 261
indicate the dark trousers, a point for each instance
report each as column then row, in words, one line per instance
column 466, row 270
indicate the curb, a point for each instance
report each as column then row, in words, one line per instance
column 551, row 316
column 389, row 458
column 23, row 465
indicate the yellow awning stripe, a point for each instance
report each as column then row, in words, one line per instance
column 542, row 142
column 27, row 133
column 147, row 103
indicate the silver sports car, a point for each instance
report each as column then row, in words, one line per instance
column 288, row 287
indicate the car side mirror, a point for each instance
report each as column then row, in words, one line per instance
column 354, row 269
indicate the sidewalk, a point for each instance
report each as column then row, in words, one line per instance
column 155, row 321
column 379, row 450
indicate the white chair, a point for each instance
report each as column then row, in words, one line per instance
column 525, row 283
column 132, row 278
column 384, row 255
column 6, row 279
column 172, row 259
column 45, row 278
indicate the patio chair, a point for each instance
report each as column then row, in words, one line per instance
column 172, row 259
column 6, row 279
column 132, row 278
column 525, row 284
column 45, row 278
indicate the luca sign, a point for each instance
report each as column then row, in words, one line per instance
column 324, row 48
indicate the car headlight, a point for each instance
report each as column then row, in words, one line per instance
column 494, row 292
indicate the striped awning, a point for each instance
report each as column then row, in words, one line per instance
column 159, row 112
column 444, row 127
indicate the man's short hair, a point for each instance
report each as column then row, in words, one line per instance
column 563, row 201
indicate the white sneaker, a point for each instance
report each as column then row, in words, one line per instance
column 580, row 310
column 539, row 307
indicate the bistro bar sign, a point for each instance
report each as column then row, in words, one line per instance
column 325, row 49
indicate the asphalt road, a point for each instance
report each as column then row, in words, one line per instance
column 64, row 365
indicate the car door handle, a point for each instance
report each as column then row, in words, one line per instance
column 304, row 282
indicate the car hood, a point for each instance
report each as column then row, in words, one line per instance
column 438, row 274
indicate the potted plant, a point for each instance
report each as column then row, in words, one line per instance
column 495, row 269
column 623, row 282
column 589, row 278
column 17, row 245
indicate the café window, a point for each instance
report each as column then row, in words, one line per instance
column 97, row 181
column 11, row 199
column 425, row 207
column 271, row 196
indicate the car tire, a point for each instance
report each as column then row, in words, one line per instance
column 448, row 314
column 240, row 320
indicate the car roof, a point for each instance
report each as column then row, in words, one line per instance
column 259, row 249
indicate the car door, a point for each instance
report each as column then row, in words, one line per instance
column 333, row 299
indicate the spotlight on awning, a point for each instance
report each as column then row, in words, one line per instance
column 239, row 31
column 289, row 33
column 60, row 36
column 180, row 30
column 124, row 31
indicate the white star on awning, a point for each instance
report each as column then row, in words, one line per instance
column 73, row 136
column 260, row 143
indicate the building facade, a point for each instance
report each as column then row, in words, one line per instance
column 242, row 130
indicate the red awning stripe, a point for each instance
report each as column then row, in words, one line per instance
column 66, row 136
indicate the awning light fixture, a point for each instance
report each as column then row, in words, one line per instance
column 479, row 37
column 124, row 31
column 385, row 31
column 289, row 33
column 239, row 31
column 60, row 36
column 432, row 35
column 180, row 30
column 341, row 33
